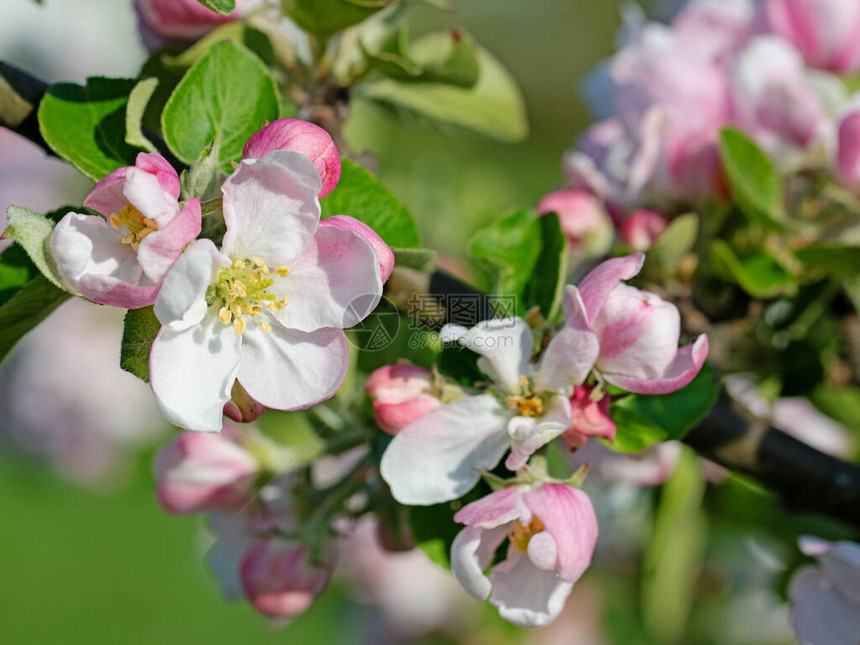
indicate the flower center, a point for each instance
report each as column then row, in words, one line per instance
column 527, row 406
column 241, row 293
column 521, row 534
column 137, row 224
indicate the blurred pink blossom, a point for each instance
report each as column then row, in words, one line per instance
column 401, row 394
column 583, row 220
column 641, row 228
column 164, row 21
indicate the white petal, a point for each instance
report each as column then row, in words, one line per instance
column 290, row 370
column 471, row 553
column 530, row 433
column 525, row 595
column 181, row 302
column 434, row 459
column 820, row 614
column 192, row 373
column 271, row 208
column 145, row 193
column 543, row 552
column 505, row 346
column 335, row 283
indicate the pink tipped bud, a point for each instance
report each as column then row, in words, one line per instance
column 303, row 137
column 848, row 151
column 241, row 408
column 401, row 394
column 583, row 219
column 163, row 21
column 199, row 471
column 590, row 417
column 383, row 251
column 279, row 579
column 641, row 228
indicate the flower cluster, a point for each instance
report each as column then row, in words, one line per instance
column 446, row 438
column 769, row 68
column 259, row 319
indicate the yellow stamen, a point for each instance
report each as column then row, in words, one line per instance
column 240, row 325
column 282, row 271
column 225, row 315
column 266, row 327
column 521, row 534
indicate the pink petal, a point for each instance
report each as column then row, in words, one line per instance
column 683, row 369
column 393, row 417
column 572, row 352
column 543, row 551
column 159, row 250
column 335, row 282
column 820, row 614
column 271, row 208
column 383, row 251
column 597, row 285
column 569, row 518
column 303, row 137
column 292, row 370
column 496, row 509
column 157, row 165
column 107, row 196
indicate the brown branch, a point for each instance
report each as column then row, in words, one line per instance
column 20, row 95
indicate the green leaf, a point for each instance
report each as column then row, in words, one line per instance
column 224, row 7
column 86, row 125
column 33, row 233
column 226, row 97
column 755, row 184
column 642, row 419
column 139, row 330
column 201, row 179
column 361, row 195
column 756, row 273
column 26, row 309
column 674, row 555
column 137, row 102
column 327, row 17
column 253, row 38
column 295, row 443
column 838, row 259
column 840, row 403
column 545, row 289
column 494, row 107
column 675, row 242
column 510, row 246
column 418, row 259
column 16, row 270
column 455, row 64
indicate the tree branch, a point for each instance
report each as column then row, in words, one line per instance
column 805, row 479
column 20, row 95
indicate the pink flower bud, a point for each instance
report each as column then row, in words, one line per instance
column 162, row 21
column 279, row 579
column 383, row 251
column 198, row 471
column 848, row 151
column 590, row 418
column 641, row 228
column 583, row 219
column 401, row 394
column 825, row 31
column 241, row 407
column 303, row 137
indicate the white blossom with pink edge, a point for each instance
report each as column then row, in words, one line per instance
column 270, row 307
column 825, row 599
column 629, row 336
column 120, row 259
column 551, row 531
column 435, row 458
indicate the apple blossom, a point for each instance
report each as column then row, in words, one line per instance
column 551, row 531
column 198, row 472
column 824, row 31
column 434, row 459
column 716, row 29
column 825, row 599
column 401, row 394
column 163, row 21
column 299, row 136
column 279, row 578
column 631, row 336
column 270, row 307
column 583, row 220
column 641, row 228
column 589, row 417
column 120, row 259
